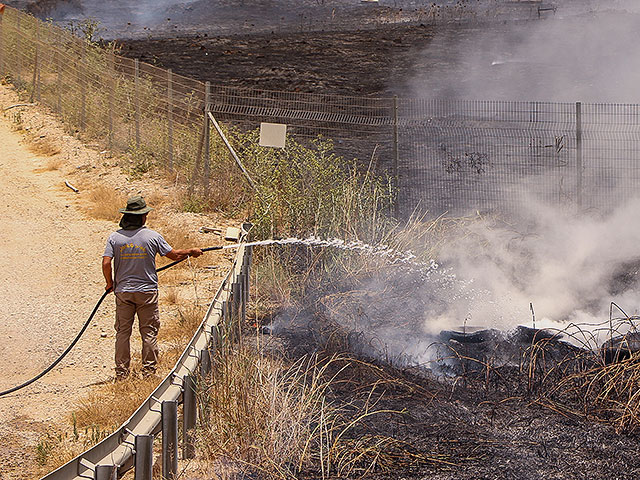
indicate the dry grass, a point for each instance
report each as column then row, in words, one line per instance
column 187, row 320
column 114, row 402
column 44, row 146
column 105, row 203
column 171, row 295
column 274, row 419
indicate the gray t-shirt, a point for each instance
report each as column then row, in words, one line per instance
column 134, row 258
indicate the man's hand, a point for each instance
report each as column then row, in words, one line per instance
column 109, row 288
column 181, row 254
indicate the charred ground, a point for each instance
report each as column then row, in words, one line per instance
column 367, row 62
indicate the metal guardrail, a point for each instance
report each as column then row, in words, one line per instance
column 131, row 445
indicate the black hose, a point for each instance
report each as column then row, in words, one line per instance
column 82, row 330
column 208, row 249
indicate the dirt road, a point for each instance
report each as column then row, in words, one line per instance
column 50, row 275
column 50, row 280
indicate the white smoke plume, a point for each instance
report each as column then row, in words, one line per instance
column 590, row 57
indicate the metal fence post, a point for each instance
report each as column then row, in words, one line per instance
column 396, row 154
column 83, row 88
column 136, row 100
column 112, row 88
column 188, row 416
column 170, row 119
column 579, row 156
column 19, row 52
column 207, row 132
column 144, row 457
column 59, row 75
column 106, row 472
column 1, row 42
column 169, row 411
column 34, row 82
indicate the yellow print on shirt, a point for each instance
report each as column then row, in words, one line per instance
column 135, row 251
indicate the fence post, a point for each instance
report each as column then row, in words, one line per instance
column 137, row 100
column 112, row 89
column 1, row 42
column 579, row 156
column 19, row 51
column 207, row 131
column 396, row 154
column 106, row 472
column 82, row 85
column 169, row 411
column 59, row 75
column 170, row 119
column 188, row 416
column 34, row 82
column 144, row 457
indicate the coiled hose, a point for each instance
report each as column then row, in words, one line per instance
column 82, row 330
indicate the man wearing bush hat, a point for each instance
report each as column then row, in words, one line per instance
column 134, row 280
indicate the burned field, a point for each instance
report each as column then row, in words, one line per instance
column 362, row 63
column 524, row 404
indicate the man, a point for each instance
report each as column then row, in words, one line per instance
column 134, row 281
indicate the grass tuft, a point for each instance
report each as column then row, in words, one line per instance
column 105, row 203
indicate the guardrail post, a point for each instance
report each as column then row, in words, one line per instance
column 235, row 298
column 169, row 439
column 144, row 457
column 215, row 339
column 226, row 313
column 106, row 472
column 237, row 309
column 205, row 362
column 188, row 416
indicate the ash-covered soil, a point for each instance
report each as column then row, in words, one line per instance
column 366, row 62
column 483, row 423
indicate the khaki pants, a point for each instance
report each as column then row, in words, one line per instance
column 145, row 304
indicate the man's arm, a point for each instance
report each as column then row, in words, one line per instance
column 106, row 271
column 182, row 253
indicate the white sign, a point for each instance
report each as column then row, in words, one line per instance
column 273, row 135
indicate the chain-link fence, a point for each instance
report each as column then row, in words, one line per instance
column 445, row 156
column 121, row 103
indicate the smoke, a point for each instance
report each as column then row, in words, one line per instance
column 588, row 57
column 568, row 268
column 118, row 18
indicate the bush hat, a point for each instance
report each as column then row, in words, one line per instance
column 136, row 206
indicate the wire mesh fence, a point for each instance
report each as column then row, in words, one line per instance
column 445, row 156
